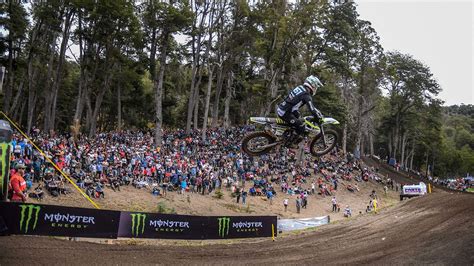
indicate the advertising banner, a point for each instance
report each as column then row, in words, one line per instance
column 299, row 224
column 50, row 220
column 222, row 227
column 170, row 226
column 419, row 189
column 154, row 225
column 36, row 219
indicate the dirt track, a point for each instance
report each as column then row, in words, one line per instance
column 437, row 228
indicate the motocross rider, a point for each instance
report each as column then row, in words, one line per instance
column 288, row 110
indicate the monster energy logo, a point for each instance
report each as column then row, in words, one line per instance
column 138, row 221
column 27, row 212
column 4, row 163
column 224, row 223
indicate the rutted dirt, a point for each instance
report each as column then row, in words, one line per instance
column 434, row 229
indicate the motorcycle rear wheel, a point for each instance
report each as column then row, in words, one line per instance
column 261, row 138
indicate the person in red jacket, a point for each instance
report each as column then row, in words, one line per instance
column 18, row 184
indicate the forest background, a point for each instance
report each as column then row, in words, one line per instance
column 84, row 66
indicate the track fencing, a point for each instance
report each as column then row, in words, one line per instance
column 51, row 220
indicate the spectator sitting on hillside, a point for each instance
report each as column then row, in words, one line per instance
column 350, row 188
column 356, row 187
column 99, row 191
column 347, row 212
column 37, row 193
column 155, row 191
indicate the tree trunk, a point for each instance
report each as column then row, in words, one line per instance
column 273, row 92
column 207, row 101
column 48, row 95
column 344, row 138
column 371, row 144
column 404, row 142
column 17, row 97
column 228, row 97
column 119, row 107
column 196, row 103
column 31, row 99
column 98, row 103
column 59, row 69
column 80, row 95
column 396, row 136
column 159, row 89
column 10, row 76
column 215, row 112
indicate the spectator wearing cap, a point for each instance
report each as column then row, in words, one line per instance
column 18, row 184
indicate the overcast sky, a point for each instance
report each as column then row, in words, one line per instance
column 438, row 33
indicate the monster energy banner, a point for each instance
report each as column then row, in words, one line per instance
column 5, row 139
column 241, row 227
column 153, row 225
column 34, row 219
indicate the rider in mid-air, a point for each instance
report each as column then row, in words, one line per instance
column 288, row 110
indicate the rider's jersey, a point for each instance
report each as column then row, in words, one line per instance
column 297, row 97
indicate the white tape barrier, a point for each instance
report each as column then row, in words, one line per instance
column 298, row 224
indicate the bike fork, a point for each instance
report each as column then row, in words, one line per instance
column 323, row 137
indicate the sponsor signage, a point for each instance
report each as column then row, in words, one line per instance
column 38, row 219
column 221, row 227
column 419, row 189
column 155, row 225
column 35, row 219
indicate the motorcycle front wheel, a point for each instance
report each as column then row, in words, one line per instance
column 318, row 147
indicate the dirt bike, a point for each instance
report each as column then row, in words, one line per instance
column 278, row 132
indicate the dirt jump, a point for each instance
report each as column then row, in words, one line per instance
column 437, row 228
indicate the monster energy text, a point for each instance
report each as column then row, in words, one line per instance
column 138, row 223
column 169, row 226
column 224, row 223
column 29, row 216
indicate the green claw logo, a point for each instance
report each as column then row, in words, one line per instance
column 138, row 221
column 4, row 163
column 224, row 223
column 29, row 216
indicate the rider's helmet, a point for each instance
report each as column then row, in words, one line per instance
column 313, row 83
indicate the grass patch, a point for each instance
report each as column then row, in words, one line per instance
column 218, row 194
column 136, row 208
column 237, row 208
column 162, row 208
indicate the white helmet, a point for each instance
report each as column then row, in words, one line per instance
column 313, row 83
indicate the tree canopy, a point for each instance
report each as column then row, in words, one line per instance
column 86, row 66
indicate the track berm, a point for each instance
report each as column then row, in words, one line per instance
column 437, row 228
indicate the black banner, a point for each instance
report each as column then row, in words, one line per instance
column 222, row 227
column 154, row 225
column 36, row 219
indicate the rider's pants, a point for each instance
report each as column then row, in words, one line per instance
column 293, row 120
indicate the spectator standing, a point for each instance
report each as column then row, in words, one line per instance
column 238, row 195
column 285, row 203
column 374, row 204
column 244, row 196
column 18, row 184
column 334, row 204
column 298, row 204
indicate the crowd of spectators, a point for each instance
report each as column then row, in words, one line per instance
column 184, row 163
column 458, row 183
